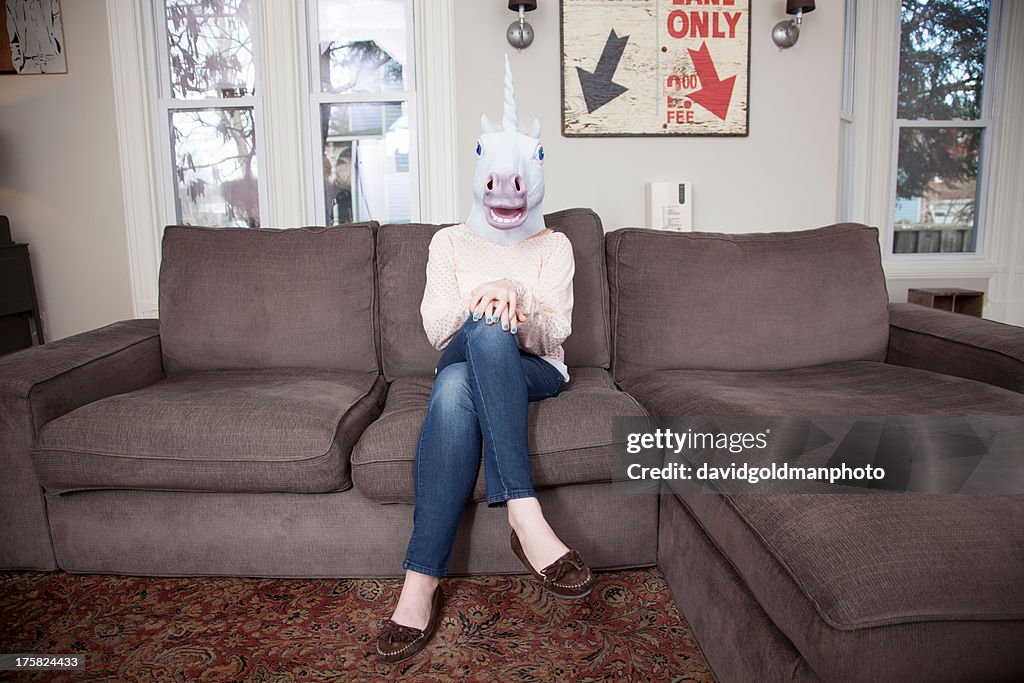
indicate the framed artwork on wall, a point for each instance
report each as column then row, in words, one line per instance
column 655, row 68
column 33, row 39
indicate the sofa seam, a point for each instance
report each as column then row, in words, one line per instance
column 616, row 240
column 969, row 345
column 537, row 454
column 378, row 343
column 28, row 397
column 865, row 625
column 334, row 439
column 160, row 459
column 154, row 335
column 606, row 289
column 779, row 236
column 476, row 501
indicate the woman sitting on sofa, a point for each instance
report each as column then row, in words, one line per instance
column 498, row 300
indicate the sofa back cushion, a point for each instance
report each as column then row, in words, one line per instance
column 255, row 298
column 402, row 262
column 762, row 301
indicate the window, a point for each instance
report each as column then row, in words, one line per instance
column 213, row 99
column 217, row 107
column 361, row 94
column 208, row 111
column 941, row 126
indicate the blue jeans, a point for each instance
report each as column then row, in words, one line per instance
column 483, row 385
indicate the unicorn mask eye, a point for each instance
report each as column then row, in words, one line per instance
column 539, row 154
column 479, row 148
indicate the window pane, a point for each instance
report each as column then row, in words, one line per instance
column 942, row 58
column 366, row 162
column 936, row 188
column 215, row 167
column 362, row 45
column 210, row 48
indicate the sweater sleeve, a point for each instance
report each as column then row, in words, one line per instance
column 547, row 304
column 442, row 309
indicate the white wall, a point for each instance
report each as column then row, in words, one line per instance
column 59, row 166
column 60, row 180
column 782, row 177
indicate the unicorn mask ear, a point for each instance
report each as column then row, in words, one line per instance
column 534, row 131
column 488, row 126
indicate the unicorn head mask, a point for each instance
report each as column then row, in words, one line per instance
column 508, row 184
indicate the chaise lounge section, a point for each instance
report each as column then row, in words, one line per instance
column 837, row 587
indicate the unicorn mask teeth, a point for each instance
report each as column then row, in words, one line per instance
column 508, row 184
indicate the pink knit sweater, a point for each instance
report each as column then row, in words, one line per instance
column 541, row 266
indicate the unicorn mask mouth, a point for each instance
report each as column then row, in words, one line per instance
column 505, row 202
column 504, row 218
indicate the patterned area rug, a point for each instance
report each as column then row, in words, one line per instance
column 216, row 629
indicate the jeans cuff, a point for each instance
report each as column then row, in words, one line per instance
column 499, row 500
column 424, row 570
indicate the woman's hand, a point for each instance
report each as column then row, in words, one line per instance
column 496, row 302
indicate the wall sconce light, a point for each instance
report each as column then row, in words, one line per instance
column 520, row 33
column 786, row 32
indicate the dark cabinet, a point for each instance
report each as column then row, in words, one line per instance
column 966, row 301
column 18, row 305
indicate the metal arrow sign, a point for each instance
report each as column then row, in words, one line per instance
column 598, row 87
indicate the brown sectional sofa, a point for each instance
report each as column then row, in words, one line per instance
column 266, row 426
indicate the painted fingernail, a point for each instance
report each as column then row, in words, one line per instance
column 476, row 317
column 513, row 330
column 504, row 327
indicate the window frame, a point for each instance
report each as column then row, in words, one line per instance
column 847, row 111
column 164, row 104
column 983, row 122
column 316, row 98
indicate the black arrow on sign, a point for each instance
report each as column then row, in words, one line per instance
column 598, row 88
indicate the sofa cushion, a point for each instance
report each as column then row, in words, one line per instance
column 402, row 262
column 745, row 302
column 570, row 437
column 883, row 587
column 841, row 389
column 289, row 430
column 245, row 298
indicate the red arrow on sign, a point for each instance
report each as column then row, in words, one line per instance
column 714, row 94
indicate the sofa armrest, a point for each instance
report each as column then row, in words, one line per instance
column 42, row 383
column 955, row 344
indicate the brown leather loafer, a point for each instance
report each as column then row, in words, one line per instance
column 566, row 577
column 397, row 643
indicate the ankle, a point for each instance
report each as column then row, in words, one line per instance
column 420, row 582
column 524, row 514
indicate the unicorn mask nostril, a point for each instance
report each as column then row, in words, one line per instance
column 511, row 185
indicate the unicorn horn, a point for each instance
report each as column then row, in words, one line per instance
column 509, row 118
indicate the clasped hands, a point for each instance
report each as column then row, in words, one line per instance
column 496, row 302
